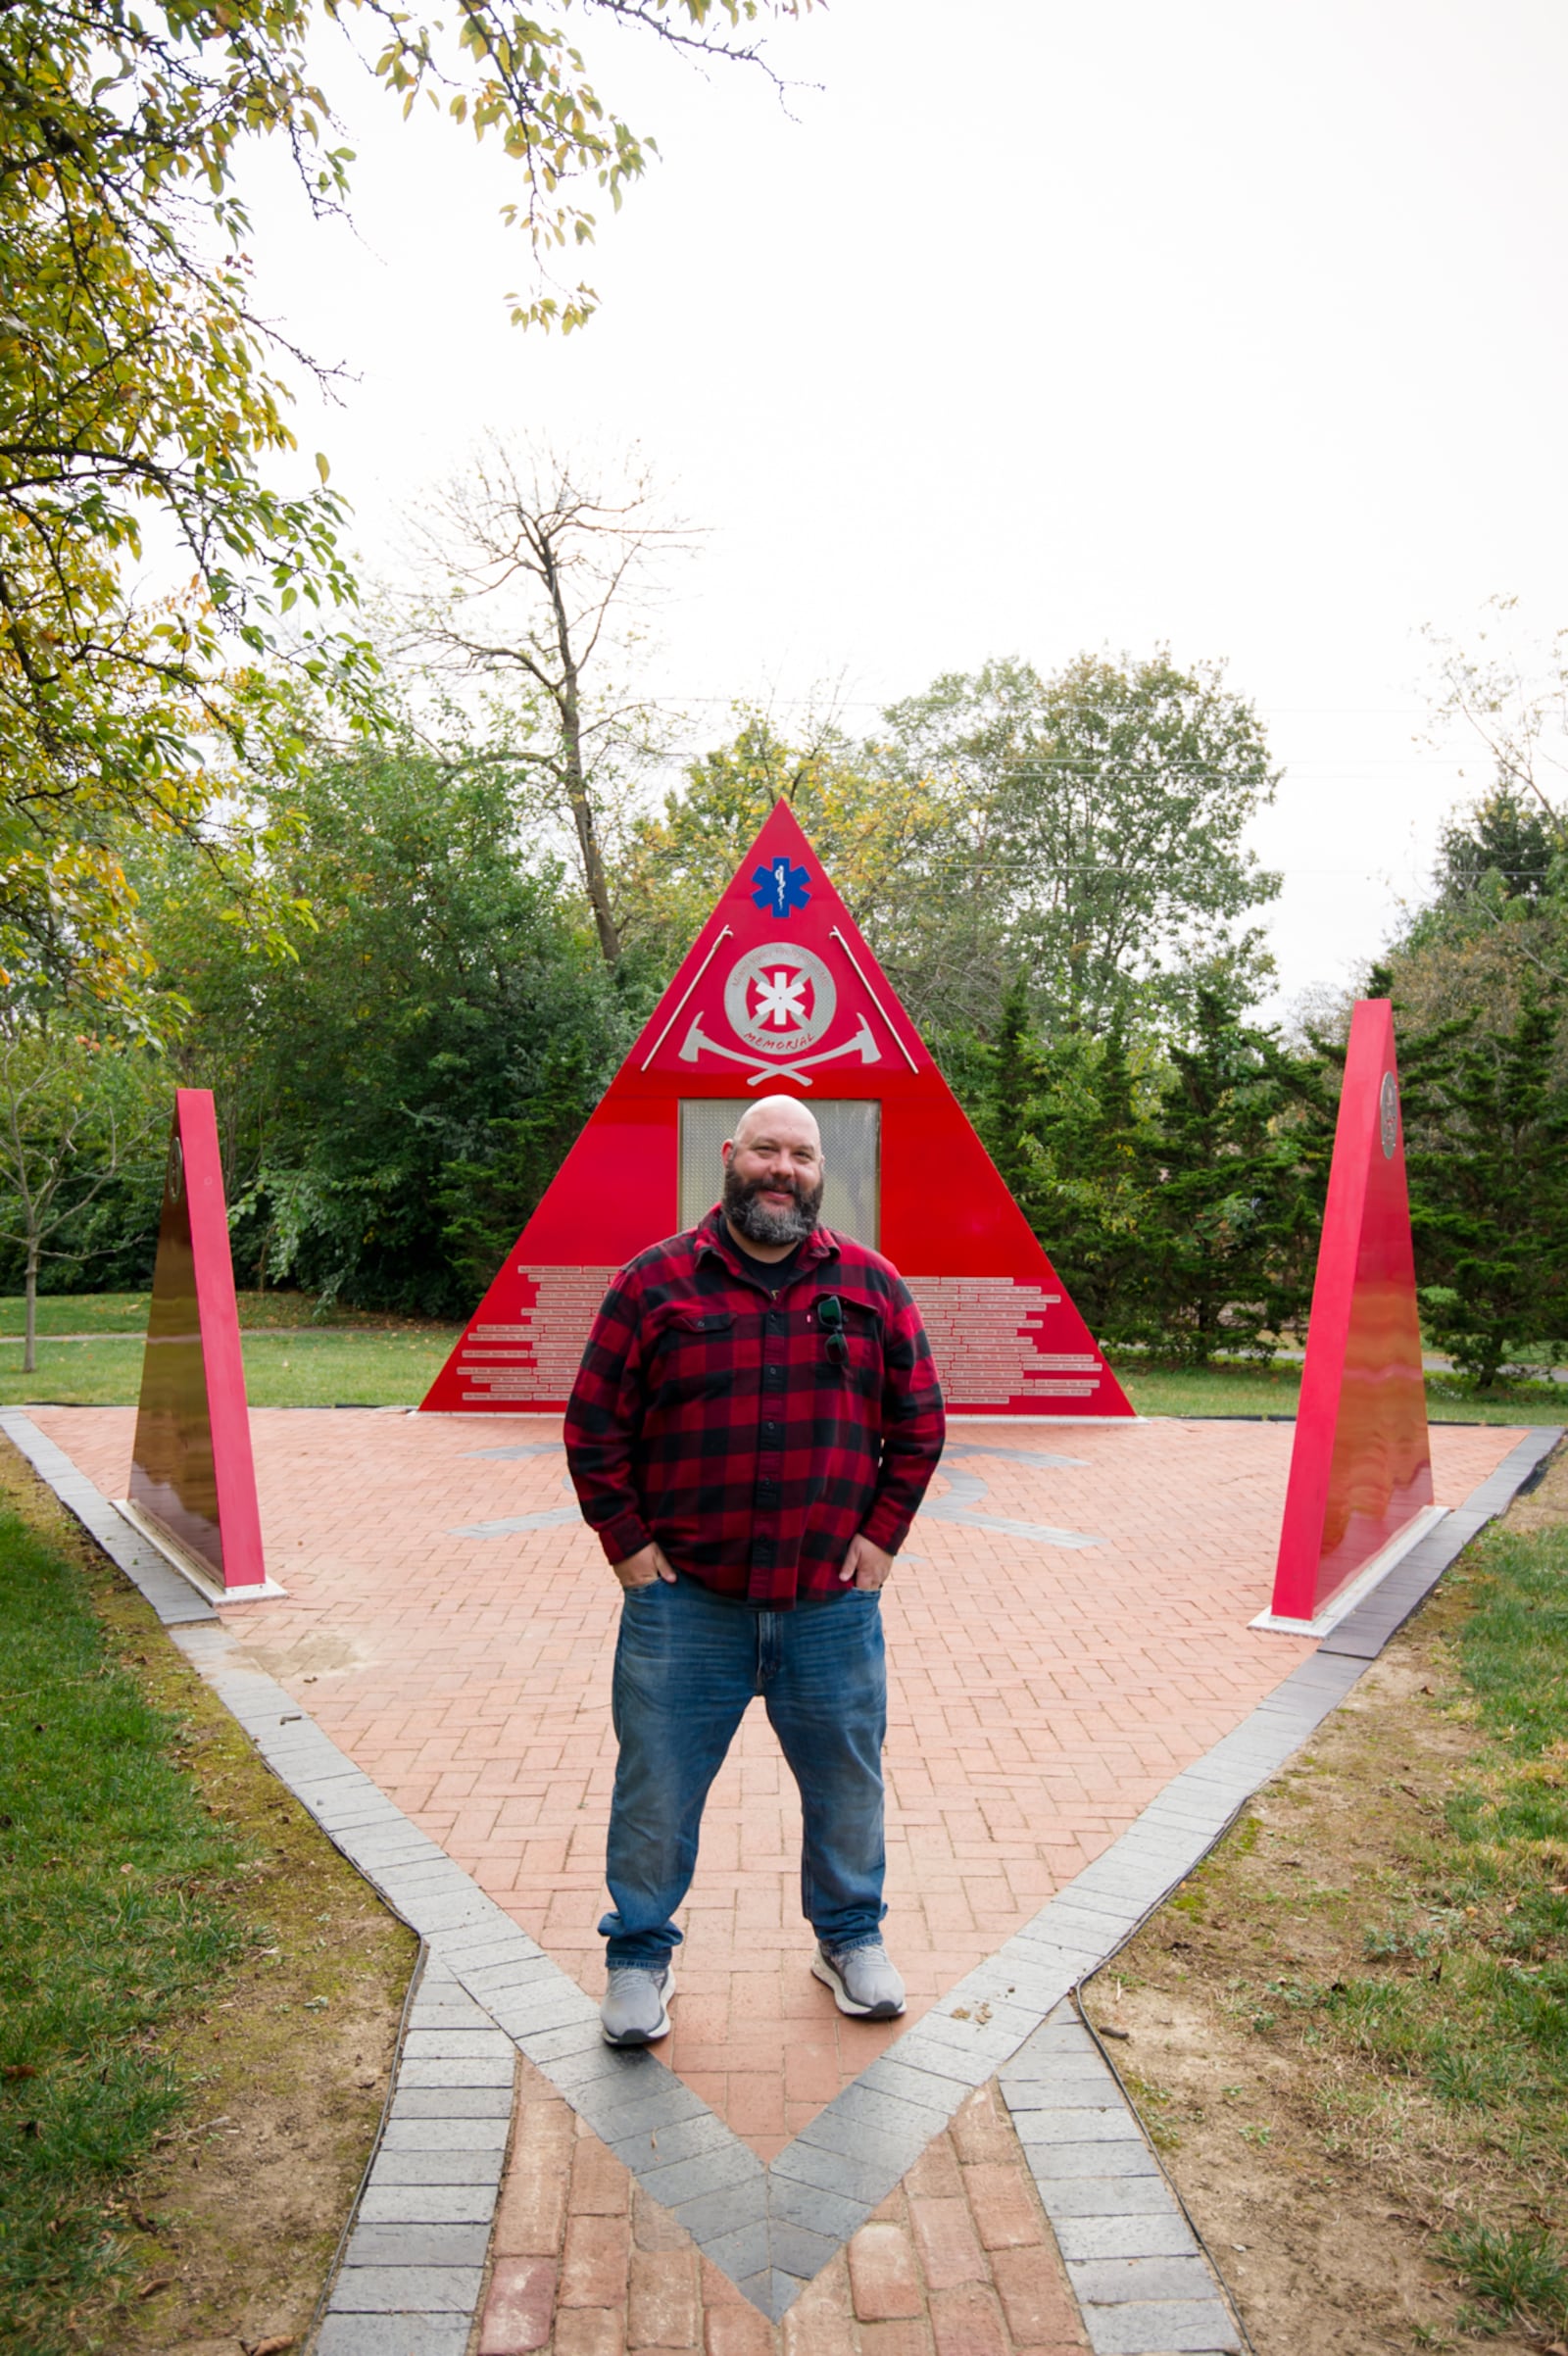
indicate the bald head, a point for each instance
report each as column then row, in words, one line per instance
column 784, row 1117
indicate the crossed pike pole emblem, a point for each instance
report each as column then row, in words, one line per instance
column 780, row 998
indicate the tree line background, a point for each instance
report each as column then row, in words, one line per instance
column 450, row 925
column 401, row 884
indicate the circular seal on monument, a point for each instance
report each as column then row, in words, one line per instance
column 780, row 998
column 1389, row 1112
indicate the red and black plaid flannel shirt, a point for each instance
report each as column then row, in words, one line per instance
column 709, row 1415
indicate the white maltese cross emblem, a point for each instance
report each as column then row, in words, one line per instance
column 780, row 998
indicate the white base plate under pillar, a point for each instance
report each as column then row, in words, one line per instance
column 190, row 1566
column 1346, row 1598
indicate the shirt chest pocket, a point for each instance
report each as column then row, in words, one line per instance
column 695, row 1324
column 697, row 1354
column 861, row 1329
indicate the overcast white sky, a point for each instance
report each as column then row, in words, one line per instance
column 1038, row 327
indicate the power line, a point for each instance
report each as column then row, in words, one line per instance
column 764, row 703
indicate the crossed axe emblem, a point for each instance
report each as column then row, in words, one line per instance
column 863, row 1044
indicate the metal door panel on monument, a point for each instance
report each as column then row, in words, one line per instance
column 851, row 1147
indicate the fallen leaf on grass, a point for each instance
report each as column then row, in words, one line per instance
column 19, row 2070
column 149, row 2291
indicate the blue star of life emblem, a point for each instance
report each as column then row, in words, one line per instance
column 781, row 886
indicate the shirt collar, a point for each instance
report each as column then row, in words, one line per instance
column 712, row 1235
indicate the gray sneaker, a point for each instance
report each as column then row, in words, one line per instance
column 636, row 2006
column 862, row 1979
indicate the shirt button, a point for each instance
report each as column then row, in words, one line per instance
column 770, row 1427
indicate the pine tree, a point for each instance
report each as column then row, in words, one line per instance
column 1061, row 1122
column 1233, row 1174
column 1012, row 1081
column 1488, row 1185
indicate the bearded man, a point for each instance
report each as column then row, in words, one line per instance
column 751, row 1432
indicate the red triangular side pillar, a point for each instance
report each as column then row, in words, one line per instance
column 192, row 1475
column 1362, row 1466
column 780, row 993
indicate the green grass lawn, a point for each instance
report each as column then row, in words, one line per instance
column 127, row 1313
column 320, row 1369
column 352, row 1358
column 116, row 1892
column 1464, row 1985
column 1274, row 1391
column 199, row 1996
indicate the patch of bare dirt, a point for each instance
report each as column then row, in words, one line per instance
column 321, row 1652
column 1319, row 2180
column 232, row 2220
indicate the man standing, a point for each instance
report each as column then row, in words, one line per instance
column 752, row 1430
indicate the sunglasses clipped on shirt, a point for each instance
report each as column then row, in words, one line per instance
column 830, row 1318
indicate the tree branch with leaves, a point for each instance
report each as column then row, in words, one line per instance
column 139, row 381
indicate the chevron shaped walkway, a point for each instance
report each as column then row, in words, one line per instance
column 1079, row 1707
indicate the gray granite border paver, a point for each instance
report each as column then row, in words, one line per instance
column 1140, row 2277
column 770, row 2229
column 411, row 2268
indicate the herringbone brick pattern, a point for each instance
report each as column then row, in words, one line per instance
column 1041, row 1695
column 959, row 2261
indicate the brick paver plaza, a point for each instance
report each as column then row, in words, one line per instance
column 1067, row 1631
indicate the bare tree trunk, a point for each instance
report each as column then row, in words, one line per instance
column 559, row 560
column 582, row 818
column 29, row 1355
column 569, row 707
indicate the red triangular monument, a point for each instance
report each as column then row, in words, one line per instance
column 192, row 1478
column 780, row 992
column 1362, row 1466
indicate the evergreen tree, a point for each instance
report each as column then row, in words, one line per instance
column 1061, row 1122
column 1014, row 1067
column 1488, row 1185
column 397, row 1094
column 1232, row 1176
column 1506, row 843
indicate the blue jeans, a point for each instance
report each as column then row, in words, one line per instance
column 687, row 1664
